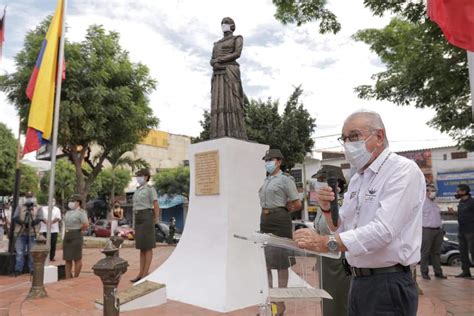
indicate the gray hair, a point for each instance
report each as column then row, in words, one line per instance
column 373, row 120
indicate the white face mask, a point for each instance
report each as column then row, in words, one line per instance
column 141, row 180
column 432, row 195
column 357, row 154
column 71, row 205
column 225, row 27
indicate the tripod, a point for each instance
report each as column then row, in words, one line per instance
column 23, row 247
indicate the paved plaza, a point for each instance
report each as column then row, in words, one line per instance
column 76, row 296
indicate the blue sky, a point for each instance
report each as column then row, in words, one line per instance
column 174, row 39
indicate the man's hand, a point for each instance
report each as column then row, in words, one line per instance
column 324, row 196
column 308, row 239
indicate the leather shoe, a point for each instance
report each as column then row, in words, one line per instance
column 440, row 276
column 426, row 276
column 464, row 275
column 136, row 279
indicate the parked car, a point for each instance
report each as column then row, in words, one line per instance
column 450, row 253
column 451, row 229
column 166, row 232
column 101, row 228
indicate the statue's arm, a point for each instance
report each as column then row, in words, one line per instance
column 213, row 57
column 238, row 45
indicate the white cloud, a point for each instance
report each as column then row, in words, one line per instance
column 174, row 39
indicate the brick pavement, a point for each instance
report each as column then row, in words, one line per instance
column 453, row 297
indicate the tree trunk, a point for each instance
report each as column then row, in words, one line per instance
column 112, row 189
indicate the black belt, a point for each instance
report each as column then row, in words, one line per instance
column 72, row 230
column 267, row 211
column 432, row 228
column 360, row 272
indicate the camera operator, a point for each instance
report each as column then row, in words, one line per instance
column 26, row 220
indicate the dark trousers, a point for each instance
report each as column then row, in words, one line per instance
column 466, row 246
column 54, row 239
column 383, row 294
column 430, row 250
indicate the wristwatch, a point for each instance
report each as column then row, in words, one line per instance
column 332, row 243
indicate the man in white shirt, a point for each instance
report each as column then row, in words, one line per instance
column 432, row 236
column 379, row 226
column 55, row 219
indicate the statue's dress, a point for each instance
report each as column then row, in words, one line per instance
column 227, row 96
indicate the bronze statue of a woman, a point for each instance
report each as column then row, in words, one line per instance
column 227, row 95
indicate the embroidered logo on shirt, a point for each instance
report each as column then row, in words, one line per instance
column 372, row 191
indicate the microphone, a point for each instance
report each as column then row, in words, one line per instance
column 334, row 207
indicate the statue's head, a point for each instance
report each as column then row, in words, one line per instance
column 227, row 25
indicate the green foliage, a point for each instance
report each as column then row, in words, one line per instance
column 301, row 12
column 104, row 99
column 172, row 181
column 290, row 132
column 423, row 70
column 28, row 179
column 413, row 10
column 109, row 178
column 119, row 158
column 7, row 160
column 206, row 128
column 64, row 182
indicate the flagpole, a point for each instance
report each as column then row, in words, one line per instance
column 470, row 66
column 54, row 145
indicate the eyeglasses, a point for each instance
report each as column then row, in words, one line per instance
column 354, row 136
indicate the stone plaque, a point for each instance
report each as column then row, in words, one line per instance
column 206, row 172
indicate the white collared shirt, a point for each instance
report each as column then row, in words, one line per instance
column 55, row 215
column 387, row 230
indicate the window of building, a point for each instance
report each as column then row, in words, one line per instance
column 459, row 155
column 345, row 166
column 298, row 175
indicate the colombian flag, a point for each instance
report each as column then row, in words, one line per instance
column 42, row 85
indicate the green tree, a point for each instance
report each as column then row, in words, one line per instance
column 172, row 181
column 118, row 158
column 422, row 69
column 104, row 98
column 64, row 182
column 7, row 160
column 109, row 178
column 29, row 179
column 290, row 132
column 301, row 12
column 206, row 127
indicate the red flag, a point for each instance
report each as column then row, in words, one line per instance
column 456, row 20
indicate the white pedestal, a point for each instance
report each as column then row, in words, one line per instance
column 50, row 274
column 151, row 299
column 209, row 267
